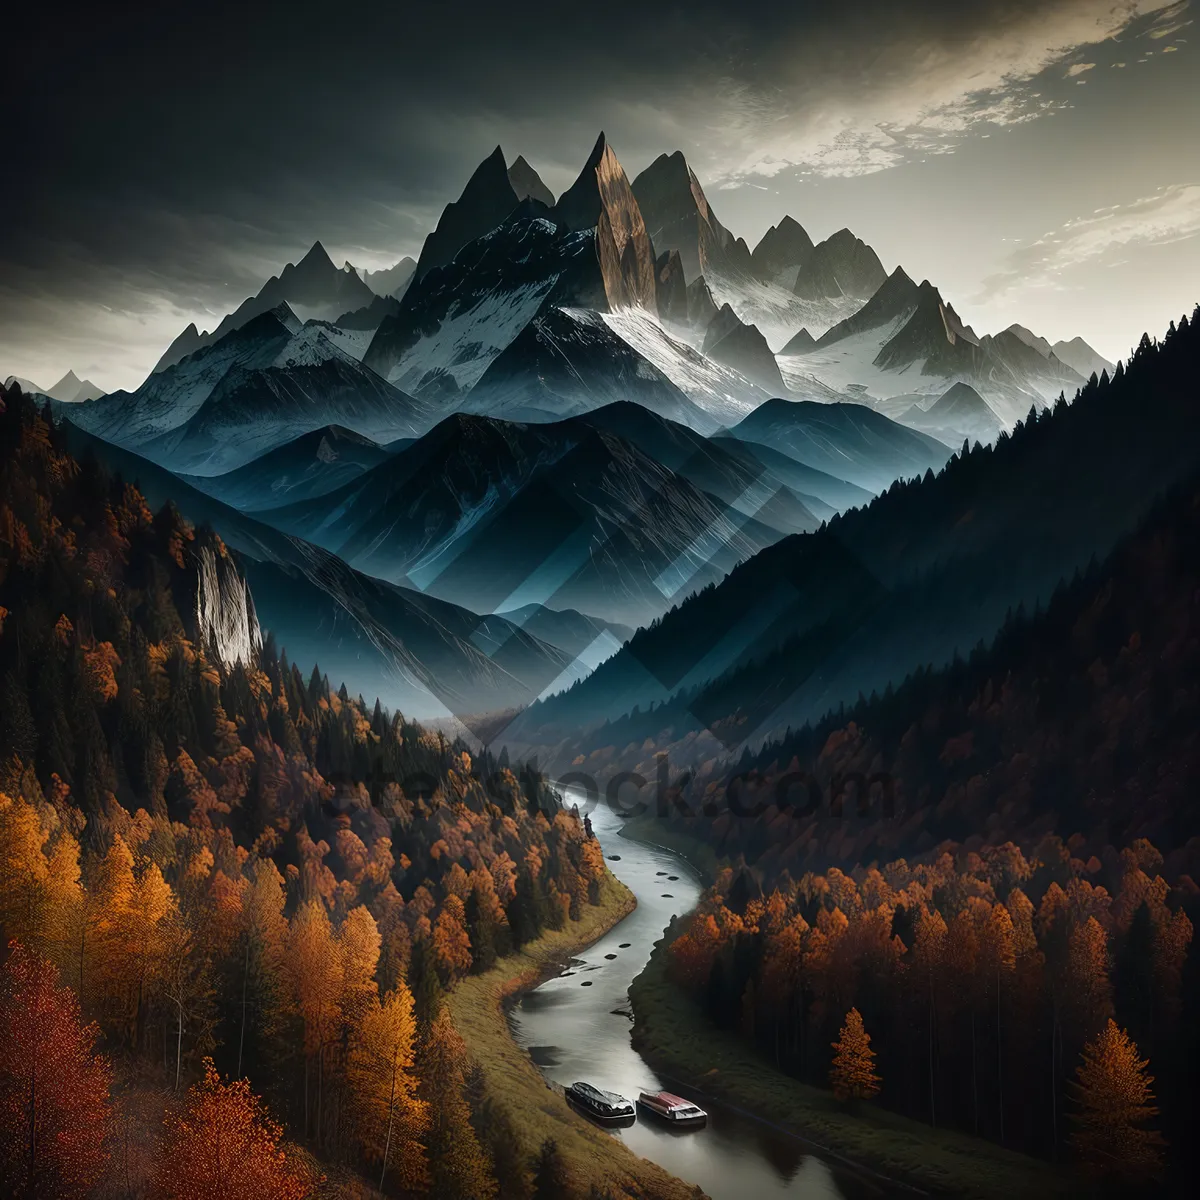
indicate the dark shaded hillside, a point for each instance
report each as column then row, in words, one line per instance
column 931, row 567
column 489, row 514
column 414, row 651
column 308, row 466
column 847, row 441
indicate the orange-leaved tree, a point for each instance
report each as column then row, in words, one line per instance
column 1115, row 1105
column 853, row 1072
column 223, row 1145
column 54, row 1105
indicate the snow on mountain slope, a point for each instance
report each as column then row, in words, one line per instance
column 313, row 287
column 777, row 312
column 569, row 361
column 722, row 392
column 251, row 412
column 455, row 320
column 906, row 341
column 173, row 395
column 257, row 388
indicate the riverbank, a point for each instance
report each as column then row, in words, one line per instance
column 675, row 1038
column 538, row 1111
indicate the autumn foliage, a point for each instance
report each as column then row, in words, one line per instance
column 853, row 1072
column 54, row 1088
column 174, row 848
column 1113, row 1139
column 223, row 1146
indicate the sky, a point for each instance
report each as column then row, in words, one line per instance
column 1036, row 159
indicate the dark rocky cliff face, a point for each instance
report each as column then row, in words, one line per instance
column 782, row 253
column 601, row 198
column 730, row 341
column 679, row 217
column 672, row 288
column 842, row 265
column 527, row 183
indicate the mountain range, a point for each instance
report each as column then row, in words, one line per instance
column 926, row 571
column 566, row 404
column 70, row 389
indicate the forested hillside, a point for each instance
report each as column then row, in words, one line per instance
column 232, row 869
column 988, row 863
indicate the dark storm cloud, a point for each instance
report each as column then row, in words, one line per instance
column 164, row 159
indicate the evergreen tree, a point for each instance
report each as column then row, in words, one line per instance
column 1115, row 1105
column 853, row 1071
column 458, row 1168
column 550, row 1180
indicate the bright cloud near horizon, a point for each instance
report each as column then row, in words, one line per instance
column 1030, row 157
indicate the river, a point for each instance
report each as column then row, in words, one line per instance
column 576, row 1027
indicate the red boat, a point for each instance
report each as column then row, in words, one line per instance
column 672, row 1108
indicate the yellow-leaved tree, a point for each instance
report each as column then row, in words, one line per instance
column 853, row 1071
column 386, row 1117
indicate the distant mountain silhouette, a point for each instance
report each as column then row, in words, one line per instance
column 308, row 466
column 312, row 288
column 841, row 265
column 848, row 441
column 782, row 253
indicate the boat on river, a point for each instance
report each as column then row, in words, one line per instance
column 600, row 1105
column 673, row 1109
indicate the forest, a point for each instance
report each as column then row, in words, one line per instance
column 994, row 867
column 231, row 897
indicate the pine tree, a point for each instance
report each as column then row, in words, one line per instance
column 853, row 1072
column 458, row 1167
column 550, row 1173
column 54, row 1104
column 1116, row 1102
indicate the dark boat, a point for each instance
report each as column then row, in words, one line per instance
column 601, row 1105
column 673, row 1109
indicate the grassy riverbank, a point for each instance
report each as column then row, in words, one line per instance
column 675, row 1038
column 538, row 1111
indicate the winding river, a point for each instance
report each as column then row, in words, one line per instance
column 576, row 1027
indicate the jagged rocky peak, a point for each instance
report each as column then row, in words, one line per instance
column 679, row 217
column 895, row 299
column 842, row 265
column 702, row 308
column 933, row 337
column 734, row 343
column 486, row 200
column 601, row 198
column 672, row 290
column 527, row 183
column 225, row 619
column 723, row 323
column 1031, row 339
column 782, row 253
column 801, row 343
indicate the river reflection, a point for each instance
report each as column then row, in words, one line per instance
column 576, row 1027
